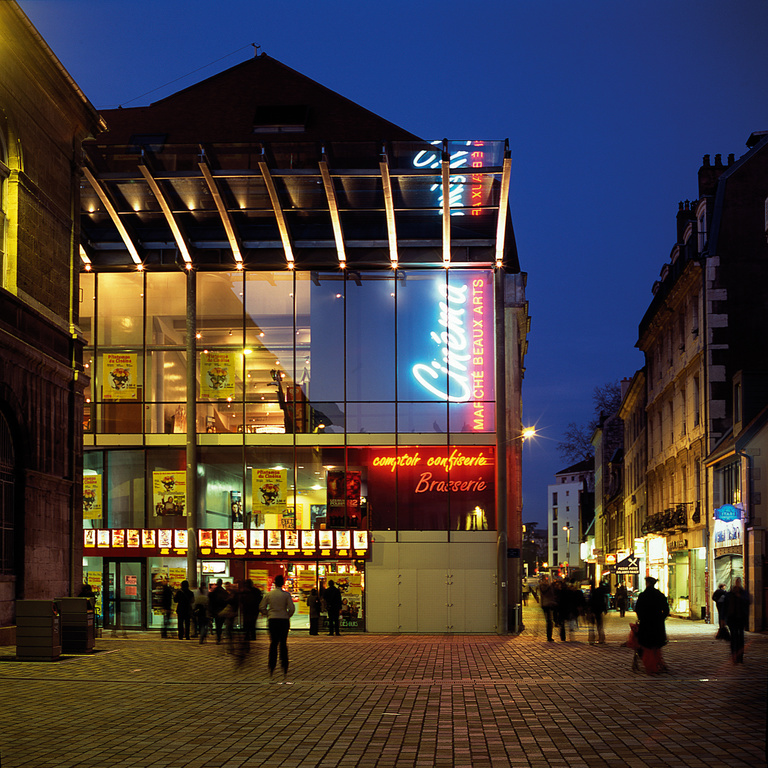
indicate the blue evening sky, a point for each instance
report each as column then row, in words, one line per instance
column 609, row 107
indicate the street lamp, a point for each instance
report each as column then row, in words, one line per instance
column 567, row 529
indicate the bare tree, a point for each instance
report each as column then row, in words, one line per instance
column 576, row 444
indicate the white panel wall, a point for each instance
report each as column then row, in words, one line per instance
column 424, row 583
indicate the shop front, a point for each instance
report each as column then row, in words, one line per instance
column 128, row 570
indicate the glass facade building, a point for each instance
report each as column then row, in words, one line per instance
column 303, row 359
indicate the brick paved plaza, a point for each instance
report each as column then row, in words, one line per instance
column 386, row 700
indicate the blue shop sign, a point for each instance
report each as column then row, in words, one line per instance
column 728, row 513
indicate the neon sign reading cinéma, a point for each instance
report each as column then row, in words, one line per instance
column 458, row 371
column 457, row 188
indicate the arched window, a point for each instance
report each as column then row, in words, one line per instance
column 7, row 498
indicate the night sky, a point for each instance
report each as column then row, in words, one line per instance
column 608, row 106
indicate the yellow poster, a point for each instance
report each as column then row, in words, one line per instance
column 307, row 580
column 217, row 375
column 270, row 490
column 176, row 576
column 355, row 584
column 91, row 497
column 259, row 577
column 169, row 492
column 118, row 376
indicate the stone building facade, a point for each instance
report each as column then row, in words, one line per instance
column 44, row 117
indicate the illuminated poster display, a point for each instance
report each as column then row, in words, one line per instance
column 91, row 497
column 169, row 492
column 217, row 375
column 118, row 376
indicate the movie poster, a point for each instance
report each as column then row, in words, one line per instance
column 169, row 492
column 343, row 509
column 270, row 490
column 118, row 376
column 91, row 497
column 217, row 375
column 236, row 508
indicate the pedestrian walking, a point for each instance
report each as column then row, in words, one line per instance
column 200, row 608
column 166, row 605
column 184, row 600
column 597, row 607
column 313, row 604
column 277, row 605
column 333, row 606
column 719, row 597
column 548, row 601
column 737, row 614
column 217, row 603
column 249, row 600
column 652, row 610
column 621, row 598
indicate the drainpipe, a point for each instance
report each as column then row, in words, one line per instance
column 191, row 437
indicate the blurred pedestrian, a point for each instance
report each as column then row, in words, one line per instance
column 652, row 610
column 166, row 605
column 313, row 604
column 217, row 603
column 548, row 600
column 200, row 607
column 184, row 600
column 719, row 597
column 249, row 600
column 621, row 598
column 333, row 606
column 277, row 605
column 737, row 615
column 597, row 607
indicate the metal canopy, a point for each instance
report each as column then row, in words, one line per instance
column 298, row 205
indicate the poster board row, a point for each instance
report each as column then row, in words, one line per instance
column 227, row 539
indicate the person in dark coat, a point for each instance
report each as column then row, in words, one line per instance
column 217, row 602
column 166, row 603
column 184, row 599
column 249, row 600
column 597, row 607
column 719, row 597
column 621, row 599
column 333, row 606
column 737, row 614
column 313, row 604
column 548, row 600
column 652, row 610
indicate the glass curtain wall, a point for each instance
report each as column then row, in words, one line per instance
column 369, row 363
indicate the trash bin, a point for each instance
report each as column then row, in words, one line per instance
column 38, row 636
column 78, row 625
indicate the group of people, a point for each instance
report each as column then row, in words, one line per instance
column 564, row 603
column 202, row 609
column 198, row 611
column 732, row 615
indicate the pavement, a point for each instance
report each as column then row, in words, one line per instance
column 390, row 700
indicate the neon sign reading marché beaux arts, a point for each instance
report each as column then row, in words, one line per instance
column 460, row 344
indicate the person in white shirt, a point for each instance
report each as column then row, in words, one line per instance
column 278, row 607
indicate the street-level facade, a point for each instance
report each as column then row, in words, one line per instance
column 705, row 390
column 305, row 332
